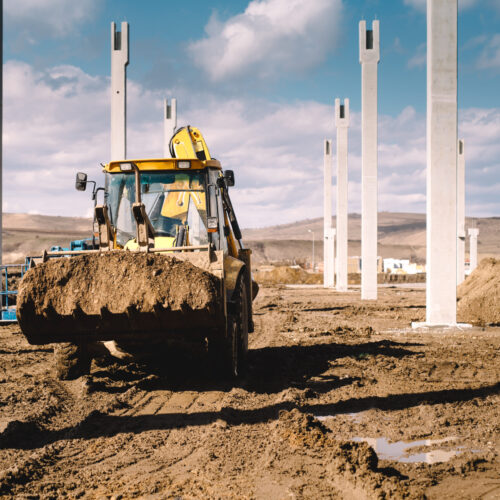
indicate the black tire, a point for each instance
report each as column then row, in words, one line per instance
column 229, row 354
column 241, row 321
column 71, row 360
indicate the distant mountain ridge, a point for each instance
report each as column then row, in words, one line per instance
column 401, row 235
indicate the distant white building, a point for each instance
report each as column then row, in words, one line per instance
column 402, row 266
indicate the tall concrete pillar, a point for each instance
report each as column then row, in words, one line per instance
column 119, row 62
column 169, row 124
column 369, row 56
column 473, row 234
column 342, row 123
column 461, row 212
column 328, row 262
column 331, row 251
column 441, row 297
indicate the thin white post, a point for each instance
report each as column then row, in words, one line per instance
column 169, row 124
column 461, row 212
column 328, row 264
column 119, row 62
column 369, row 56
column 441, row 307
column 473, row 234
column 341, row 261
column 312, row 263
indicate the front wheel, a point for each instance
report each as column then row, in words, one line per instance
column 230, row 353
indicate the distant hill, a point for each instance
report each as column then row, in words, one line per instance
column 401, row 235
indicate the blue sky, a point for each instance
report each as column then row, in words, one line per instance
column 258, row 77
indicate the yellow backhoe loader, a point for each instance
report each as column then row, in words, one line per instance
column 169, row 265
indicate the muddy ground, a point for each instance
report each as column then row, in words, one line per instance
column 324, row 369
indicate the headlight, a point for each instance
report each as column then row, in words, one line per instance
column 184, row 164
column 126, row 167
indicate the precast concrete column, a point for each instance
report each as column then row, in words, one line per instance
column 331, row 251
column 328, row 264
column 461, row 212
column 169, row 124
column 369, row 56
column 473, row 234
column 441, row 297
column 342, row 123
column 119, row 62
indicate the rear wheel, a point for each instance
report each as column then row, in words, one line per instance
column 71, row 360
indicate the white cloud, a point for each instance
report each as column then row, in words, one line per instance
column 52, row 18
column 268, row 38
column 57, row 123
column 422, row 4
column 490, row 55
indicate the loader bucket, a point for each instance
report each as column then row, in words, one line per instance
column 121, row 295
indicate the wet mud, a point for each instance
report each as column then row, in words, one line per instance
column 329, row 377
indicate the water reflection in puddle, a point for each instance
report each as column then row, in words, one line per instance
column 399, row 450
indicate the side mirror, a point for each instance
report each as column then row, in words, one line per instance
column 81, row 181
column 229, row 176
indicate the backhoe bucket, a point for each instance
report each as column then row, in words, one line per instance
column 122, row 295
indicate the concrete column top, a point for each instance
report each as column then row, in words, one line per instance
column 341, row 113
column 473, row 231
column 369, row 43
column 119, row 42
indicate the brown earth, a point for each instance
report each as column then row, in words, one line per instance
column 286, row 275
column 324, row 369
column 115, row 293
column 479, row 295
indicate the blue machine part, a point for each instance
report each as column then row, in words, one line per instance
column 87, row 244
column 8, row 311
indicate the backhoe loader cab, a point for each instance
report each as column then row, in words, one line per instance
column 170, row 241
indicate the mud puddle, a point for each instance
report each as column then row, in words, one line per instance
column 399, row 451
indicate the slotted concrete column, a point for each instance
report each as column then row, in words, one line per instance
column 473, row 234
column 342, row 123
column 169, row 124
column 119, row 62
column 328, row 263
column 441, row 298
column 369, row 56
column 461, row 212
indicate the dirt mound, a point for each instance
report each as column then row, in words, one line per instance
column 287, row 276
column 113, row 295
column 479, row 295
column 352, row 467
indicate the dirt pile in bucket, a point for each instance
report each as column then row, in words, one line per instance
column 115, row 293
column 479, row 295
column 287, row 276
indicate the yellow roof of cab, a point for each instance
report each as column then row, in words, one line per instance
column 162, row 164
